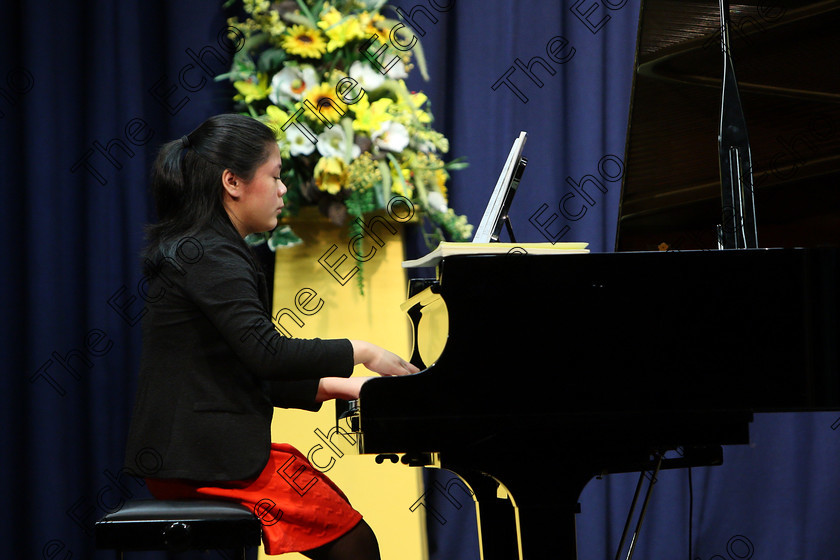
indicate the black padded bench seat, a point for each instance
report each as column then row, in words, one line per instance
column 178, row 525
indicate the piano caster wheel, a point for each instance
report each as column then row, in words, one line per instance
column 381, row 458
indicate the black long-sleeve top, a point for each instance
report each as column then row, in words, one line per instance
column 213, row 366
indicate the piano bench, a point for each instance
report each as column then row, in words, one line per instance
column 178, row 525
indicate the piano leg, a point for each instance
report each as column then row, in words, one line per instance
column 530, row 521
column 496, row 517
column 536, row 518
column 546, row 516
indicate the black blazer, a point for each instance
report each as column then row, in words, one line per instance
column 213, row 366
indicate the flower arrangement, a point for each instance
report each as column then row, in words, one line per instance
column 351, row 134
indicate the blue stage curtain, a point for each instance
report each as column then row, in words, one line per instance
column 89, row 89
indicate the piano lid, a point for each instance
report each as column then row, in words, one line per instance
column 786, row 63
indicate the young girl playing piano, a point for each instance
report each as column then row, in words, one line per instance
column 213, row 366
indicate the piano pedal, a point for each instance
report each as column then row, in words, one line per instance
column 410, row 459
column 421, row 459
column 393, row 457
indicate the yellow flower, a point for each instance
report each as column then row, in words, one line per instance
column 401, row 187
column 407, row 110
column 330, row 174
column 256, row 6
column 304, row 41
column 273, row 23
column 441, row 176
column 371, row 116
column 419, row 99
column 253, row 89
column 429, row 169
column 277, row 117
column 369, row 25
column 329, row 18
column 408, row 115
column 325, row 101
column 340, row 29
column 363, row 173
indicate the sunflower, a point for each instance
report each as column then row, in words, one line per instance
column 325, row 101
column 304, row 41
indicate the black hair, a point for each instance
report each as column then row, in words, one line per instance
column 186, row 177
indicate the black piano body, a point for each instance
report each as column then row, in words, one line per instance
column 582, row 365
column 533, row 381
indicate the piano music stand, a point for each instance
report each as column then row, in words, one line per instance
column 497, row 209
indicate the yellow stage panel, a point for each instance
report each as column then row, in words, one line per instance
column 322, row 299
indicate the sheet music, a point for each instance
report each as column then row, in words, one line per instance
column 494, row 207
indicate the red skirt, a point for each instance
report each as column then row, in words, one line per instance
column 299, row 507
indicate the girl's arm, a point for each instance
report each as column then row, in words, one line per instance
column 346, row 388
column 374, row 358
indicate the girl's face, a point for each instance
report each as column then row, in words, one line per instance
column 261, row 198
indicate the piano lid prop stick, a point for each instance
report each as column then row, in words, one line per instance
column 739, row 228
column 630, row 516
column 638, row 529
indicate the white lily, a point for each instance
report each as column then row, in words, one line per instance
column 437, row 202
column 291, row 83
column 333, row 143
column 397, row 71
column 391, row 136
column 367, row 77
column 299, row 144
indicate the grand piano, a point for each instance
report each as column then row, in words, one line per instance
column 674, row 341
